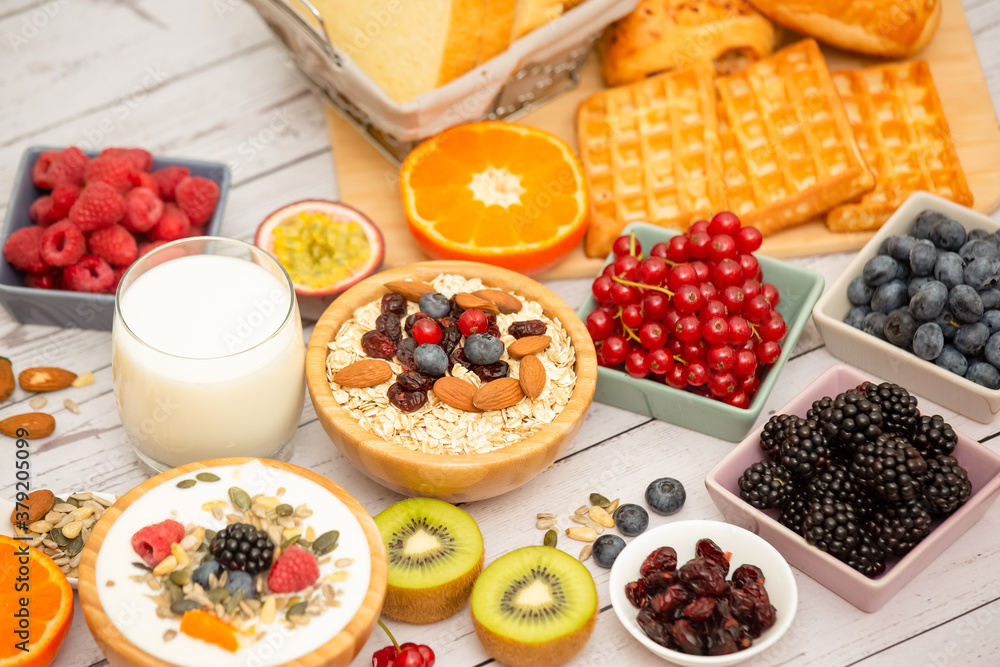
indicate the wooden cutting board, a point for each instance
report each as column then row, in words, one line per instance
column 369, row 182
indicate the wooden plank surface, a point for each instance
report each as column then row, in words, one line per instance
column 368, row 181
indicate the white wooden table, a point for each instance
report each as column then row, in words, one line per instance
column 206, row 80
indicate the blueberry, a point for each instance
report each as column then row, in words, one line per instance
column 991, row 318
column 983, row 373
column 900, row 246
column 874, row 324
column 971, row 338
column 632, row 519
column 435, row 304
column 880, row 270
column 965, row 304
column 483, row 349
column 952, row 360
column 431, row 359
column 913, row 284
column 883, row 247
column 949, row 269
column 859, row 292
column 665, row 495
column 990, row 298
column 889, row 296
column 949, row 327
column 949, row 235
column 991, row 351
column 240, row 580
column 928, row 341
column 976, row 235
column 899, row 327
column 923, row 255
column 925, row 222
column 855, row 316
column 982, row 272
column 973, row 249
column 929, row 300
column 606, row 549
column 207, row 568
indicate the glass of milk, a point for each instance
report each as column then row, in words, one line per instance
column 209, row 359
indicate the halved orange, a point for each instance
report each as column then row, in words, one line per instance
column 36, row 606
column 495, row 192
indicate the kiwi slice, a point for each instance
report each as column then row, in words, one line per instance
column 534, row 607
column 435, row 553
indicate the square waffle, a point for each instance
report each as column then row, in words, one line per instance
column 789, row 153
column 650, row 153
column 903, row 134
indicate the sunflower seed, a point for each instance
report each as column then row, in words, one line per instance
column 186, row 483
column 71, row 405
column 38, row 402
column 207, row 477
column 600, row 515
column 169, row 635
column 599, row 500
column 580, row 519
column 545, row 524
column 240, row 498
column 586, row 551
column 545, row 515
column 551, row 538
column 343, row 562
column 582, row 509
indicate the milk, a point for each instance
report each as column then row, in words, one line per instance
column 210, row 370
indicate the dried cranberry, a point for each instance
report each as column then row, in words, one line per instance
column 415, row 380
column 490, row 372
column 449, row 337
column 720, row 642
column 407, row 401
column 635, row 591
column 663, row 559
column 744, row 574
column 741, row 604
column 457, row 356
column 527, row 328
column 765, row 616
column 411, row 320
column 706, row 548
column 378, row 345
column 493, row 331
column 491, row 320
column 758, row 593
column 703, row 577
column 404, row 352
column 456, row 311
column 685, row 637
column 394, row 303
column 673, row 597
column 388, row 325
column 700, row 609
column 653, row 627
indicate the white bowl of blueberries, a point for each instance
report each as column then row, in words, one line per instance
column 920, row 305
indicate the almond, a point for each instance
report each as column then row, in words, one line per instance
column 35, row 425
column 457, row 393
column 468, row 301
column 498, row 394
column 412, row 290
column 45, row 378
column 6, row 379
column 364, row 373
column 522, row 347
column 507, row 303
column 33, row 508
column 531, row 375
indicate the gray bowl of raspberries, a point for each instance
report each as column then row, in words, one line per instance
column 921, row 305
column 855, row 486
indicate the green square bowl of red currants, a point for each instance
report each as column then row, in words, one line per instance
column 694, row 328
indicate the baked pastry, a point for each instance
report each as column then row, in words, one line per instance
column 888, row 28
column 650, row 153
column 498, row 22
column 664, row 35
column 788, row 150
column 897, row 118
column 531, row 14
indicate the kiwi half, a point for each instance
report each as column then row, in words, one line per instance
column 534, row 607
column 435, row 553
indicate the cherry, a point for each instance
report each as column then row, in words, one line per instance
column 659, row 250
column 676, row 377
column 627, row 245
column 384, row 656
column 688, row 328
column 677, row 249
column 599, row 325
column 660, row 361
column 472, row 322
column 770, row 293
column 721, row 384
column 722, row 247
column 713, row 308
column 715, row 330
column 727, row 272
column 768, row 352
column 739, row 330
column 654, row 305
column 687, row 299
column 601, row 289
column 751, row 267
column 407, row 655
column 632, row 315
column 748, row 239
column 652, row 271
column 774, row 328
column 681, row 274
column 614, row 349
column 426, row 331
column 652, row 335
column 636, row 364
column 697, row 373
column 724, row 222
column 623, row 294
column 721, row 357
column 746, row 364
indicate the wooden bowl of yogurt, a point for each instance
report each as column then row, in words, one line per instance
column 437, row 450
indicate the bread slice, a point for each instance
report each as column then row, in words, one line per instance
column 408, row 47
column 531, row 14
column 498, row 23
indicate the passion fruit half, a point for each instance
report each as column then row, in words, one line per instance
column 325, row 246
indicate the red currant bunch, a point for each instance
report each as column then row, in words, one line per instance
column 695, row 313
column 402, row 655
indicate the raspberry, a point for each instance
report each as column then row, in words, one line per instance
column 141, row 159
column 141, row 179
column 115, row 171
column 150, row 246
column 197, row 230
column 40, row 280
column 90, row 274
column 173, row 225
column 168, row 178
column 41, row 210
column 99, row 205
column 114, row 244
column 40, row 170
column 294, row 570
column 63, row 198
column 197, row 197
column 143, row 209
column 152, row 543
column 23, row 249
column 55, row 168
column 63, row 244
column 119, row 272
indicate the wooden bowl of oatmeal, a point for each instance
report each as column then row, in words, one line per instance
column 439, row 450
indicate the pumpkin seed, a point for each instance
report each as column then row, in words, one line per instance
column 240, row 498
column 73, row 501
column 551, row 538
column 142, row 566
column 56, row 536
column 284, row 509
column 207, row 477
column 57, row 501
column 175, row 591
column 234, row 601
column 289, row 542
column 599, row 500
column 180, row 607
column 186, row 483
column 75, row 546
column 218, row 595
column 209, row 536
column 326, row 543
column 297, row 609
column 306, row 544
column 181, row 577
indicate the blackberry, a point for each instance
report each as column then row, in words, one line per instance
column 850, row 419
column 793, row 511
column 831, row 526
column 899, row 408
column 934, row 436
column 765, row 484
column 890, row 466
column 898, row 528
column 840, row 483
column 240, row 546
column 868, row 557
column 770, row 439
column 803, row 447
column 945, row 485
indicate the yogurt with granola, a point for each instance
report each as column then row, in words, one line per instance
column 300, row 581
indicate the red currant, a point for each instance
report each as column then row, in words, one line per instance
column 768, row 352
column 623, row 294
column 674, row 345
column 660, row 361
column 727, row 272
column 739, row 330
column 654, row 305
column 472, row 322
column 738, row 399
column 601, row 289
column 626, row 267
column 722, row 247
column 652, row 335
column 713, row 308
column 757, row 309
column 721, row 384
column 770, row 293
column 687, row 299
column 632, row 315
column 676, row 377
column 774, row 328
column 746, row 363
column 609, row 309
column 677, row 249
column 724, row 222
column 609, row 270
column 698, row 227
column 599, row 325
column 750, row 287
column 715, row 330
column 426, row 331
column 659, row 250
column 671, row 319
column 614, row 349
column 636, row 364
column 750, row 384
column 697, row 373
column 623, row 246
column 681, row 274
column 720, row 357
column 733, row 297
column 688, row 328
column 708, row 291
column 699, row 243
column 751, row 267
column 693, row 351
column 748, row 239
column 702, row 271
column 652, row 271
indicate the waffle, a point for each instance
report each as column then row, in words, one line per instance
column 789, row 153
column 903, row 134
column 650, row 153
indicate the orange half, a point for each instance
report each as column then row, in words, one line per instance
column 495, row 192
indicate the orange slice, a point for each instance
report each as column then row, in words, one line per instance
column 29, row 576
column 209, row 628
column 495, row 192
